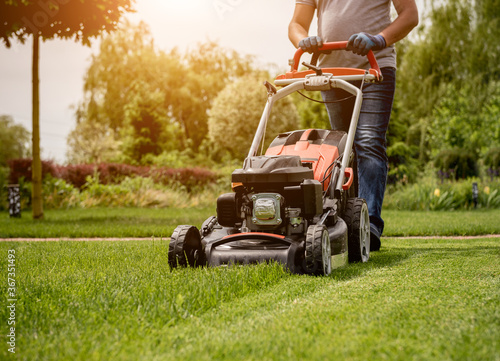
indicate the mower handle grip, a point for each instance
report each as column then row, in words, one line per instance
column 337, row 45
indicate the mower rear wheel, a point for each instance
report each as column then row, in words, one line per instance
column 185, row 247
column 358, row 223
column 318, row 251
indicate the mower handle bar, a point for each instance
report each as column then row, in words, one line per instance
column 337, row 45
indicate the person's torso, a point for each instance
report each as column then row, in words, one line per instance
column 339, row 19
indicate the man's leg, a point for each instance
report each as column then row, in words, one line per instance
column 370, row 142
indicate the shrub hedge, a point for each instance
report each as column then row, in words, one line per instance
column 112, row 173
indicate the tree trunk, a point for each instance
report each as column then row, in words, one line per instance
column 36, row 167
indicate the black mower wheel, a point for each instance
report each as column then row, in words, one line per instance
column 185, row 248
column 318, row 251
column 358, row 223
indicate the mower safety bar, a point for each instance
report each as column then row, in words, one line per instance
column 338, row 45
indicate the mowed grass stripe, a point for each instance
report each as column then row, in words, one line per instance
column 451, row 223
column 427, row 299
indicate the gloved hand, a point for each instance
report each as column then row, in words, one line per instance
column 362, row 43
column 311, row 44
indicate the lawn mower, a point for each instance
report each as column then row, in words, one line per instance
column 297, row 203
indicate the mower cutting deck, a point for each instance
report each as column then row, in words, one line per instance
column 296, row 204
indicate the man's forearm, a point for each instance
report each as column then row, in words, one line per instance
column 301, row 21
column 296, row 33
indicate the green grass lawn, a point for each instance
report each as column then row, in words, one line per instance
column 102, row 222
column 415, row 300
column 445, row 223
column 139, row 222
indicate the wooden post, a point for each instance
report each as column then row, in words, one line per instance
column 36, row 167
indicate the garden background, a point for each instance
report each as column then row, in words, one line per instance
column 159, row 128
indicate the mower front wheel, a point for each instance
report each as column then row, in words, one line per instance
column 185, row 248
column 318, row 251
column 358, row 223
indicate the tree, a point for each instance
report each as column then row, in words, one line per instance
column 210, row 69
column 128, row 90
column 14, row 140
column 64, row 19
column 237, row 110
column 448, row 78
column 92, row 143
column 156, row 100
column 148, row 131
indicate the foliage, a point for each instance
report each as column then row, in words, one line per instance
column 117, row 185
column 492, row 162
column 112, row 173
column 456, row 164
column 14, row 139
column 156, row 101
column 448, row 79
column 210, row 69
column 92, row 142
column 492, row 158
column 403, row 168
column 21, row 168
column 126, row 90
column 467, row 118
column 57, row 194
column 236, row 112
column 427, row 195
column 80, row 20
column 145, row 192
column 4, row 180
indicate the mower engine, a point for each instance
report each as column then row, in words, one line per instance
column 274, row 194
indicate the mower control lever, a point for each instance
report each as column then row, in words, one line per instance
column 312, row 67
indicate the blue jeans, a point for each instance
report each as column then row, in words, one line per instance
column 370, row 140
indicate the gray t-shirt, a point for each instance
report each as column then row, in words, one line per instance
column 339, row 19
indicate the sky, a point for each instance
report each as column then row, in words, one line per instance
column 257, row 27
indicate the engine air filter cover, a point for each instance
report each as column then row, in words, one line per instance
column 267, row 209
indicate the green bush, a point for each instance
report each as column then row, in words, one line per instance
column 428, row 195
column 456, row 164
column 403, row 168
column 59, row 194
column 4, row 176
column 492, row 162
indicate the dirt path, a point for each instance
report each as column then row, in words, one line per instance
column 126, row 239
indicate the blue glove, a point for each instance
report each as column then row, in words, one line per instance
column 311, row 44
column 362, row 43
